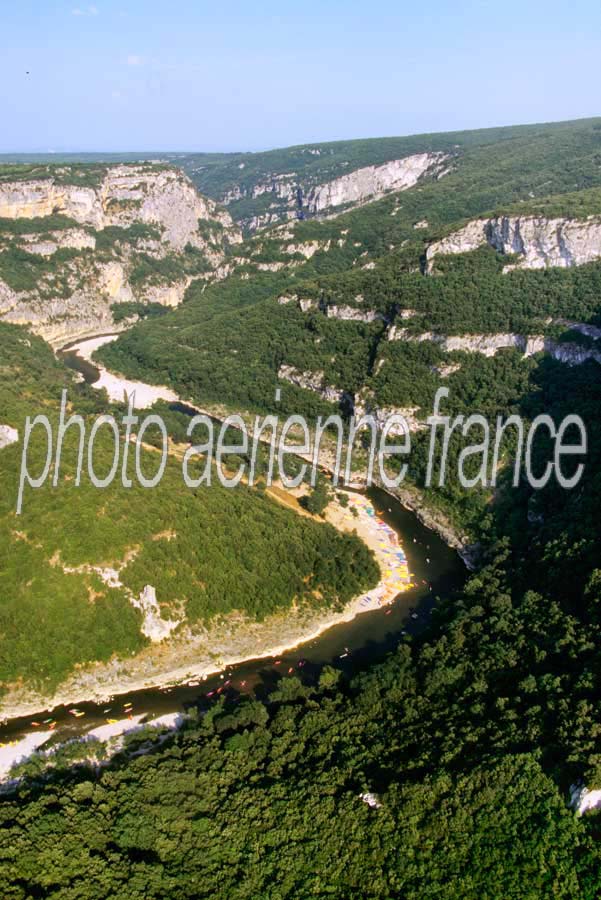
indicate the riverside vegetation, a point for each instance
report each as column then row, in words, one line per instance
column 207, row 552
column 470, row 735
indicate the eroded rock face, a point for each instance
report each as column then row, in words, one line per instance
column 71, row 238
column 372, row 182
column 168, row 295
column 127, row 194
column 8, row 436
column 311, row 381
column 291, row 198
column 43, row 197
column 383, row 416
column 537, row 241
column 307, row 249
column 569, row 352
column 583, row 799
column 61, row 320
column 154, row 625
column 351, row 314
column 73, row 296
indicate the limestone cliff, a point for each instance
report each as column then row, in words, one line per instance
column 312, row 381
column 287, row 196
column 351, row 314
column 372, row 182
column 137, row 234
column 538, row 242
column 569, row 352
column 127, row 194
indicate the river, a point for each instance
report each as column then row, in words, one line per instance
column 437, row 570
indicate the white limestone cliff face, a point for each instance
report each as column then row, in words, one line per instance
column 112, row 280
column 569, row 352
column 537, row 241
column 60, row 321
column 85, row 311
column 361, row 405
column 154, row 626
column 73, row 300
column 583, row 799
column 278, row 185
column 71, row 238
column 127, row 194
column 311, row 381
column 8, row 436
column 43, row 197
column 365, row 406
column 168, row 295
column 308, row 249
column 304, row 303
column 291, row 197
column 372, row 182
column 352, row 314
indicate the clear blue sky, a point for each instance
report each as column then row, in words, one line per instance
column 231, row 75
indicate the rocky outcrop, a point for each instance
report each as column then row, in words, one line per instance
column 351, row 314
column 569, row 352
column 383, row 414
column 305, row 304
column 372, row 182
column 126, row 195
column 312, row 381
column 71, row 238
column 538, row 242
column 84, row 311
column 446, row 371
column 308, row 249
column 168, row 295
column 8, row 436
column 583, row 799
column 60, row 321
column 74, row 292
column 154, row 626
column 294, row 197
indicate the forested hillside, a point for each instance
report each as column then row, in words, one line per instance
column 66, row 588
column 445, row 770
column 249, row 182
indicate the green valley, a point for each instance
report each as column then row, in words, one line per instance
column 444, row 768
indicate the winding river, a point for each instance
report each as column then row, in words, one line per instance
column 350, row 645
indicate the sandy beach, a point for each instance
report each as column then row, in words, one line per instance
column 120, row 389
column 207, row 651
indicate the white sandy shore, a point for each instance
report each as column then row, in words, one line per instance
column 190, row 659
column 120, row 389
column 17, row 751
column 198, row 656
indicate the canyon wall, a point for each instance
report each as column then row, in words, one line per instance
column 161, row 235
column 294, row 197
column 538, row 242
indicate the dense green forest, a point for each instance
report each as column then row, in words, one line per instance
column 317, row 163
column 466, row 738
column 225, row 550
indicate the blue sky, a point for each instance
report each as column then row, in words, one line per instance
column 193, row 75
